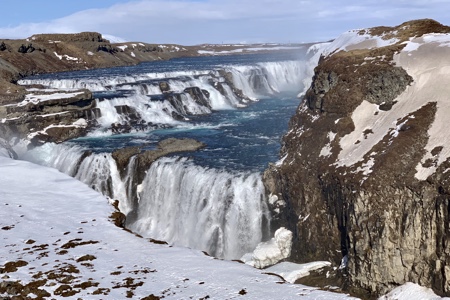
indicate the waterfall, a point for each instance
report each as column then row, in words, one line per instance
column 187, row 205
column 220, row 212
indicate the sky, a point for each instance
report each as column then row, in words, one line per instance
column 191, row 22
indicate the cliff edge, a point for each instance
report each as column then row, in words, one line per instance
column 363, row 179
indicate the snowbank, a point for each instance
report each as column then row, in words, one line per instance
column 410, row 291
column 270, row 252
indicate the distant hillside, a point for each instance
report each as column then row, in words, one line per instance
column 44, row 53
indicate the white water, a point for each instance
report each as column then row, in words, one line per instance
column 255, row 82
column 206, row 209
column 183, row 204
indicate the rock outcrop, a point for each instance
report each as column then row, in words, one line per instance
column 145, row 158
column 48, row 117
column 364, row 171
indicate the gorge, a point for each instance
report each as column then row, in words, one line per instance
column 361, row 177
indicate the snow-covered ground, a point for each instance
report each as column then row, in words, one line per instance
column 61, row 229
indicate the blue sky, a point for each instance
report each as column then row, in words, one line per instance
column 191, row 22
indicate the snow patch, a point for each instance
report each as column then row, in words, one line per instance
column 292, row 272
column 123, row 47
column 411, row 291
column 35, row 98
column 67, row 57
column 326, row 150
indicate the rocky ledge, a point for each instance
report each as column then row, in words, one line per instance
column 363, row 179
column 44, row 116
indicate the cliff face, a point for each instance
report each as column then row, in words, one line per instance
column 364, row 168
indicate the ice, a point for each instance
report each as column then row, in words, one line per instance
column 270, row 252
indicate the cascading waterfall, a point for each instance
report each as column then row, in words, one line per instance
column 178, row 202
column 223, row 214
column 254, row 81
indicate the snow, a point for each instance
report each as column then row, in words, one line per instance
column 326, row 150
column 291, row 272
column 132, row 54
column 270, row 252
column 67, row 220
column 67, row 57
column 123, row 47
column 80, row 123
column 426, row 64
column 357, row 39
column 35, row 98
column 90, row 53
column 411, row 291
column 443, row 39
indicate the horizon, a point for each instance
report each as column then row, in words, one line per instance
column 195, row 22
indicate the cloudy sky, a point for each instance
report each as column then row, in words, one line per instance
column 192, row 22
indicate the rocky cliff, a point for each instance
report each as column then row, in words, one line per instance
column 363, row 177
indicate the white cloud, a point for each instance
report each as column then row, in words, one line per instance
column 190, row 22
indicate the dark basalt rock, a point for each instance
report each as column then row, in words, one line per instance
column 164, row 86
column 51, row 120
column 199, row 96
column 3, row 46
column 26, row 48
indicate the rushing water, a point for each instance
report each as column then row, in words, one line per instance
column 212, row 199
